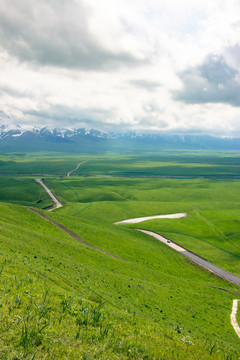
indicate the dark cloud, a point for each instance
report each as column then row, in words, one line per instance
column 61, row 116
column 4, row 89
column 212, row 82
column 65, row 116
column 55, row 33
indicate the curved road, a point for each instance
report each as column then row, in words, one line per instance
column 233, row 317
column 68, row 174
column 71, row 233
column 55, row 200
column 197, row 259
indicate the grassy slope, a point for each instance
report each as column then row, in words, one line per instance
column 52, row 290
column 23, row 191
column 151, row 304
column 100, row 215
column 211, row 229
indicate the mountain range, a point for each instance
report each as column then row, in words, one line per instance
column 18, row 138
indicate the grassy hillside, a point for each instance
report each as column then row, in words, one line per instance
column 211, row 230
column 23, row 191
column 62, row 300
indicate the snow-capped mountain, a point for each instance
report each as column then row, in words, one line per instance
column 13, row 131
column 24, row 138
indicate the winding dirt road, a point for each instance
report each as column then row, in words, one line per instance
column 173, row 245
column 234, row 319
column 55, row 200
column 68, row 174
column 195, row 258
column 71, row 233
column 205, row 264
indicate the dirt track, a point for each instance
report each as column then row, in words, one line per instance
column 197, row 259
column 55, row 200
column 72, row 234
column 68, row 174
column 234, row 319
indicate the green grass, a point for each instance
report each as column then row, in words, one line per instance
column 23, row 191
column 60, row 299
column 166, row 163
column 211, row 230
column 180, row 163
column 43, row 164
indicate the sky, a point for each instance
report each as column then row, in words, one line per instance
column 163, row 66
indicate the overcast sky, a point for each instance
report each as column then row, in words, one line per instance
column 143, row 65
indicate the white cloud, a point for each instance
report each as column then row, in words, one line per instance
column 116, row 64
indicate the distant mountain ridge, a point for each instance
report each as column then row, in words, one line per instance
column 92, row 141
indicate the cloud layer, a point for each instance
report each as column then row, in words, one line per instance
column 214, row 81
column 140, row 65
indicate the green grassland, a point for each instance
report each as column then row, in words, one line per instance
column 212, row 228
column 40, row 163
column 23, row 191
column 181, row 163
column 60, row 299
